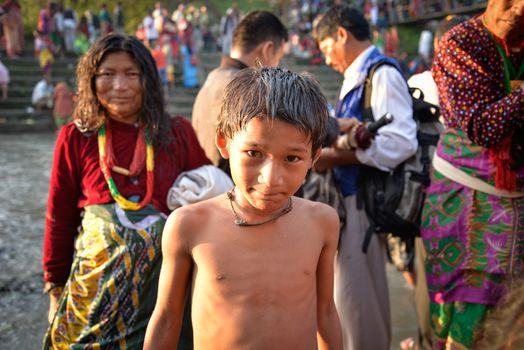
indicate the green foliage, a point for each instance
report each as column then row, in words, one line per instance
column 135, row 10
column 409, row 35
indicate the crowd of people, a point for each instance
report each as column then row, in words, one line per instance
column 174, row 40
column 259, row 265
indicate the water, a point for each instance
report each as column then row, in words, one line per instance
column 25, row 162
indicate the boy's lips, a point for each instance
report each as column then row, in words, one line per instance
column 269, row 195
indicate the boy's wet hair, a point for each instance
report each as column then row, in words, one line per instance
column 276, row 94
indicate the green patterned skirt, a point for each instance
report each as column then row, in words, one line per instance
column 454, row 324
column 112, row 288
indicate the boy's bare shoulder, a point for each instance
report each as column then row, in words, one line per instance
column 191, row 218
column 315, row 210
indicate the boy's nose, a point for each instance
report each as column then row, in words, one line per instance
column 270, row 174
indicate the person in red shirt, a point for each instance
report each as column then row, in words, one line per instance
column 161, row 65
column 62, row 104
column 113, row 166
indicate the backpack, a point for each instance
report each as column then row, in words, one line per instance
column 322, row 187
column 393, row 200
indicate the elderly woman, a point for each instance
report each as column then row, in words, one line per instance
column 473, row 225
column 113, row 166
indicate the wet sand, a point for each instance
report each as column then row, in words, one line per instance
column 25, row 162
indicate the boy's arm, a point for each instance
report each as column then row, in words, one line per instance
column 329, row 335
column 164, row 326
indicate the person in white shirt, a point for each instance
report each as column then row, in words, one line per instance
column 361, row 292
column 69, row 29
column 150, row 31
column 228, row 23
column 42, row 97
column 158, row 17
column 425, row 45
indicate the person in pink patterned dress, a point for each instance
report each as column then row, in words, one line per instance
column 473, row 218
column 13, row 28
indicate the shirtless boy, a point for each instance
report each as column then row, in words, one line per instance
column 260, row 260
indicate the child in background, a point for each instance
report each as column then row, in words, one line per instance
column 63, row 104
column 81, row 44
column 4, row 81
column 167, row 48
column 161, row 65
column 260, row 260
column 42, row 97
column 44, row 51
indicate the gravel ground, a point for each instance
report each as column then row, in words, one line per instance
column 25, row 162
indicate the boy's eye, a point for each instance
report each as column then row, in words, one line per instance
column 292, row 159
column 254, row 154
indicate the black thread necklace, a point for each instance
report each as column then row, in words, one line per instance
column 242, row 222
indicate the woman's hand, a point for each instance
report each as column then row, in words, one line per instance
column 54, row 297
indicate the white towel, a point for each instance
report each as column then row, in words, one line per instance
column 198, row 184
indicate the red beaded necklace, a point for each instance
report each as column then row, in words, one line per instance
column 104, row 146
column 139, row 156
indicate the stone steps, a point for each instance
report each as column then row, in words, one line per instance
column 16, row 114
column 13, row 121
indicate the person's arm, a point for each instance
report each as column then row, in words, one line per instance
column 164, row 326
column 330, row 156
column 472, row 93
column 329, row 334
column 54, row 292
column 62, row 218
column 396, row 141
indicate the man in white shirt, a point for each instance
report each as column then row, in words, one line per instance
column 361, row 292
column 150, row 31
column 259, row 38
column 43, row 94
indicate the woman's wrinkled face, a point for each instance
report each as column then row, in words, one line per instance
column 119, row 87
column 505, row 19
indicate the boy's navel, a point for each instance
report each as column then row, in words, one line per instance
column 220, row 277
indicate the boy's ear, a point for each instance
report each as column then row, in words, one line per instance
column 222, row 144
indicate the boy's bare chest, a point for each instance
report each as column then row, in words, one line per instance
column 237, row 263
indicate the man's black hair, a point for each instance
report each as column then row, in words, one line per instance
column 345, row 16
